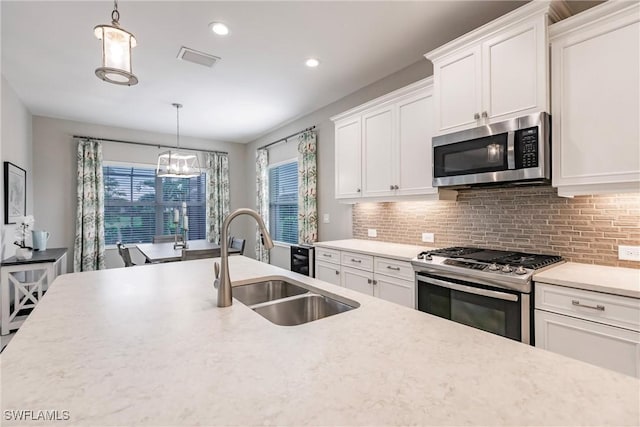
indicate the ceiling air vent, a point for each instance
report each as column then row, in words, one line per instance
column 200, row 58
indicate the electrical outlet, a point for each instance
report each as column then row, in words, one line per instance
column 629, row 253
column 428, row 237
column 372, row 232
column 325, row 219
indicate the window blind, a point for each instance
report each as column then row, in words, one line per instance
column 283, row 202
column 139, row 205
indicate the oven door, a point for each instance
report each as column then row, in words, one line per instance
column 499, row 311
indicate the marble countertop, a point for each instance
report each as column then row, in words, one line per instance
column 147, row 346
column 611, row 280
column 376, row 248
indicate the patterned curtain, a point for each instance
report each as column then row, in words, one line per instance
column 217, row 194
column 262, row 200
column 88, row 253
column 307, row 177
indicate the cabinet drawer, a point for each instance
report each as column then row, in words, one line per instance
column 395, row 290
column 613, row 310
column 328, row 255
column 602, row 345
column 356, row 260
column 394, row 268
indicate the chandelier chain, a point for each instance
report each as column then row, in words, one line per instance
column 115, row 15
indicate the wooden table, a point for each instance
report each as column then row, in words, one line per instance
column 164, row 252
column 23, row 282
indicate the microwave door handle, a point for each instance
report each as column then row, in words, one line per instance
column 469, row 289
column 511, row 154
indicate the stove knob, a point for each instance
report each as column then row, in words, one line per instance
column 494, row 267
column 506, row 269
column 427, row 257
column 521, row 270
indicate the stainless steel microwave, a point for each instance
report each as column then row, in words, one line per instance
column 513, row 151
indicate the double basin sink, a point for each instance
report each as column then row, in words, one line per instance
column 289, row 304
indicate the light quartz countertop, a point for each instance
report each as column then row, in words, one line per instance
column 611, row 280
column 147, row 346
column 376, row 248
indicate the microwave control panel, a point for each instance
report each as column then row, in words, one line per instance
column 526, row 148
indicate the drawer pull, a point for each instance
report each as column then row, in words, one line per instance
column 337, row 272
column 356, row 260
column 327, row 255
column 393, row 268
column 596, row 307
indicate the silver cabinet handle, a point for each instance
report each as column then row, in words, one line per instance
column 393, row 268
column 327, row 255
column 356, row 260
column 358, row 190
column 337, row 272
column 594, row 307
column 375, row 282
column 391, row 187
column 476, row 116
column 395, row 187
column 369, row 281
column 485, row 115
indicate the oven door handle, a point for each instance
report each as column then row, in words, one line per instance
column 469, row 289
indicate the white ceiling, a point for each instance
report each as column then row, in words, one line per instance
column 49, row 55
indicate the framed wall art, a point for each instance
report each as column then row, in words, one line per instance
column 15, row 193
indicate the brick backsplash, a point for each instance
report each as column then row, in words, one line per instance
column 586, row 229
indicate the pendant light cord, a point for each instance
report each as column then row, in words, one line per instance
column 178, row 124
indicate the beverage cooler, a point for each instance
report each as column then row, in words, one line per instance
column 302, row 259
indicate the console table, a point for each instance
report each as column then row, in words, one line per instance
column 23, row 283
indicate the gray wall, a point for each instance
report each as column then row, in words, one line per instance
column 54, row 162
column 340, row 214
column 16, row 147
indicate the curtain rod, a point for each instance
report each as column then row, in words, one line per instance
column 286, row 137
column 148, row 145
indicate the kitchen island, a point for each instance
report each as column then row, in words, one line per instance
column 148, row 346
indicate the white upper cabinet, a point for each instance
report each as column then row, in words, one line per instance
column 348, row 145
column 458, row 97
column 496, row 72
column 596, row 100
column 378, row 152
column 383, row 148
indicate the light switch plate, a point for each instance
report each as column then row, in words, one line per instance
column 428, row 237
column 629, row 253
column 372, row 232
column 325, row 219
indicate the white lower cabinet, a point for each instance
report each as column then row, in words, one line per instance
column 385, row 278
column 596, row 328
column 328, row 272
column 602, row 345
column 358, row 280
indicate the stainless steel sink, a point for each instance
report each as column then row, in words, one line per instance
column 289, row 304
column 256, row 293
column 302, row 309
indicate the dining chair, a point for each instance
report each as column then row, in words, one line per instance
column 166, row 238
column 237, row 244
column 189, row 254
column 125, row 255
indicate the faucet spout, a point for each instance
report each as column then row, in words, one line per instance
column 224, row 284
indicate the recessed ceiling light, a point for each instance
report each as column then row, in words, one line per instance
column 312, row 63
column 219, row 28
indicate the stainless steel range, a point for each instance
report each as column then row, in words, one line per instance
column 483, row 288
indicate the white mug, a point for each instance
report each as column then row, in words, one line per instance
column 40, row 239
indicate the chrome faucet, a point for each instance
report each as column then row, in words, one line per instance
column 223, row 283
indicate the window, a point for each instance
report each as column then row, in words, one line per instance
column 283, row 202
column 138, row 205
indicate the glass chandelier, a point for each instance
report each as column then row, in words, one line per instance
column 116, row 51
column 176, row 164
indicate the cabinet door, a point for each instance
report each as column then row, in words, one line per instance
column 358, row 280
column 602, row 345
column 595, row 126
column 378, row 152
column 414, row 152
column 515, row 73
column 395, row 290
column 348, row 158
column 457, row 92
column 328, row 272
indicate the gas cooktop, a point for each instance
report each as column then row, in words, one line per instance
column 508, row 269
